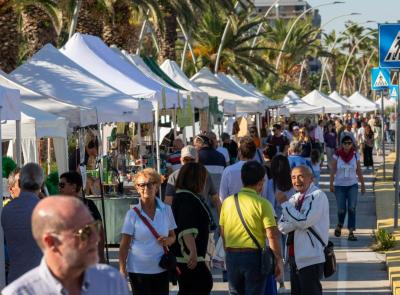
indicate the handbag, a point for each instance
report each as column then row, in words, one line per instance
column 267, row 264
column 330, row 257
column 168, row 260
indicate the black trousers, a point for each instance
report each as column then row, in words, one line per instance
column 196, row 281
column 368, row 159
column 306, row 281
column 149, row 284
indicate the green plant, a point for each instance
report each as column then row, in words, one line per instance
column 383, row 239
column 8, row 166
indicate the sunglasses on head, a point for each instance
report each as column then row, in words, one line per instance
column 88, row 230
column 143, row 185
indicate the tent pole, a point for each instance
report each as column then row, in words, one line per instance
column 139, row 133
column 193, row 124
column 258, row 124
column 157, row 134
column 18, row 142
column 48, row 155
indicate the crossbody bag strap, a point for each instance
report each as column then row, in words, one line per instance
column 244, row 222
column 149, row 226
column 317, row 236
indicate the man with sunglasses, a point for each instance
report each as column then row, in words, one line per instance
column 278, row 140
column 67, row 234
column 23, row 252
column 70, row 184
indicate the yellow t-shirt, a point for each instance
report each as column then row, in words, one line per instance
column 256, row 211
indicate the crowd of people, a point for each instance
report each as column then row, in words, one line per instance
column 259, row 195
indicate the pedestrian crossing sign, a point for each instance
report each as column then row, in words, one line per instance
column 380, row 78
column 389, row 45
column 394, row 91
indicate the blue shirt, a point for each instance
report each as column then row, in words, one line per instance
column 99, row 279
column 146, row 252
column 23, row 251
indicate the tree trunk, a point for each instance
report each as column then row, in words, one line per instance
column 90, row 19
column 37, row 29
column 9, row 39
column 118, row 30
column 167, row 38
column 334, row 73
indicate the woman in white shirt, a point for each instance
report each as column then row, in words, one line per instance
column 140, row 252
column 344, row 178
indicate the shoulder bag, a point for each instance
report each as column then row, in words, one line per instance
column 267, row 264
column 168, row 260
column 330, row 258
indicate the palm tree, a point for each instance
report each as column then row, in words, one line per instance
column 235, row 57
column 91, row 17
column 9, row 36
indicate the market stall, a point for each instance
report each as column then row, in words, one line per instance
column 361, row 103
column 318, row 99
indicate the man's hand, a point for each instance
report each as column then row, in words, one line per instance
column 331, row 188
column 362, row 188
column 192, row 262
column 280, row 197
column 279, row 269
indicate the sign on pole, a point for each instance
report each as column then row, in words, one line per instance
column 380, row 78
column 389, row 45
column 394, row 92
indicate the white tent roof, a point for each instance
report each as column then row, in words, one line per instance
column 340, row 99
column 319, row 99
column 386, row 103
column 10, row 104
column 211, row 84
column 252, row 90
column 298, row 107
column 362, row 103
column 230, row 84
column 76, row 116
column 96, row 57
column 52, row 73
column 178, row 76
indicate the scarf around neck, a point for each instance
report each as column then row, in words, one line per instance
column 346, row 156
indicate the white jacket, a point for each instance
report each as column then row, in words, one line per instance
column 313, row 213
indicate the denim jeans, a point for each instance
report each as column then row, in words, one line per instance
column 244, row 276
column 346, row 199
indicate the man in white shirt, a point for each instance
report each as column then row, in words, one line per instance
column 231, row 182
column 67, row 234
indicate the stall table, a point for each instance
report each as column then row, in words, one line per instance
column 115, row 208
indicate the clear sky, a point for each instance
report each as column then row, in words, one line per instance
column 376, row 10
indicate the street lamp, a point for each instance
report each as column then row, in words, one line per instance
column 365, row 69
column 324, row 65
column 349, row 58
column 294, row 24
column 318, row 31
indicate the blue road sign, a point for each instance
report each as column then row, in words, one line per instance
column 394, row 92
column 389, row 45
column 380, row 78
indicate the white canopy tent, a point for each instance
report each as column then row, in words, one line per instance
column 340, row 99
column 319, row 99
column 211, row 84
column 298, row 107
column 10, row 109
column 92, row 54
column 361, row 103
column 387, row 103
column 36, row 124
column 229, row 84
column 176, row 74
column 52, row 73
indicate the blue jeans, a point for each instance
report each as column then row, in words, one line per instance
column 346, row 199
column 244, row 276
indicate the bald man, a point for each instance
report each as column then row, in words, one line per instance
column 304, row 217
column 68, row 236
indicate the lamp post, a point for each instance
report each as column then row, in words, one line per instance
column 324, row 65
column 320, row 30
column 294, row 24
column 187, row 45
column 365, row 69
column 349, row 58
column 74, row 21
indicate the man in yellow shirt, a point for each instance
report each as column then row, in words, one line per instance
column 242, row 254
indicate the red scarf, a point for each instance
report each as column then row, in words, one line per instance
column 346, row 156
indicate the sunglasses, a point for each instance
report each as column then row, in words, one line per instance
column 348, row 142
column 143, row 185
column 88, row 230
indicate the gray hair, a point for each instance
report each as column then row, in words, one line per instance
column 295, row 147
column 305, row 168
column 11, row 177
column 31, row 177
